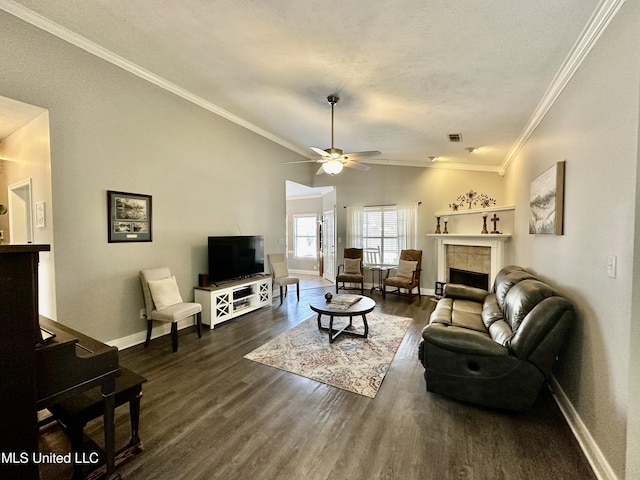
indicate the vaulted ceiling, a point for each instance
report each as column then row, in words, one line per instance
column 408, row 72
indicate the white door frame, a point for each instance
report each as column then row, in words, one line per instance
column 20, row 212
column 329, row 244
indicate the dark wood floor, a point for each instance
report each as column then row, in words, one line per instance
column 208, row 413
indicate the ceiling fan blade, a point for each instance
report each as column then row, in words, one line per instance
column 359, row 155
column 319, row 151
column 300, row 161
column 356, row 165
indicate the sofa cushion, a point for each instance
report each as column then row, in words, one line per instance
column 455, row 290
column 522, row 297
column 504, row 283
column 467, row 314
column 501, row 333
column 491, row 311
column 442, row 312
column 462, row 340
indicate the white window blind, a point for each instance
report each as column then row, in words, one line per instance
column 380, row 233
column 304, row 232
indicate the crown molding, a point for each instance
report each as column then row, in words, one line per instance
column 437, row 165
column 588, row 38
column 79, row 41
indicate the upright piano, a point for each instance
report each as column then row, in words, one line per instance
column 35, row 374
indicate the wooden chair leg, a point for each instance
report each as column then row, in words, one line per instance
column 76, row 434
column 149, row 324
column 298, row 290
column 199, row 324
column 174, row 336
column 281, row 295
column 134, row 418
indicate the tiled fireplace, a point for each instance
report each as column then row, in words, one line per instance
column 481, row 254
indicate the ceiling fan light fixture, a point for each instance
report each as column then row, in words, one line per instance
column 332, row 167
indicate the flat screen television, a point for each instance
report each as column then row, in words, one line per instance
column 233, row 257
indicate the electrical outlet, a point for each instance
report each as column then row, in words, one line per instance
column 143, row 314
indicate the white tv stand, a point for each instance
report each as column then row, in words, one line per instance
column 232, row 299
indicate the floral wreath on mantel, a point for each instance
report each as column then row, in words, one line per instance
column 472, row 198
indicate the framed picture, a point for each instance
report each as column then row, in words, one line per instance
column 129, row 217
column 546, row 202
column 40, row 215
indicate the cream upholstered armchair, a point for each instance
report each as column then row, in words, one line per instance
column 280, row 274
column 407, row 276
column 350, row 271
column 164, row 303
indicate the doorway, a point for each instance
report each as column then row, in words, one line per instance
column 20, row 218
column 320, row 202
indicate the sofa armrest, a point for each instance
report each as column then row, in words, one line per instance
column 543, row 332
column 464, row 292
column 462, row 340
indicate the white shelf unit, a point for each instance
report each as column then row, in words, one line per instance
column 233, row 299
column 450, row 213
column 470, row 221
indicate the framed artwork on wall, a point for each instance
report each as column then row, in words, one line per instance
column 129, row 217
column 546, row 202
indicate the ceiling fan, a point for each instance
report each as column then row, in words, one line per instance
column 333, row 159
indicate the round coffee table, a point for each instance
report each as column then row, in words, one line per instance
column 361, row 307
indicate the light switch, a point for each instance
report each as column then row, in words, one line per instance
column 612, row 262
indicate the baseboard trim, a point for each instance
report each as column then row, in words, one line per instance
column 160, row 329
column 595, row 457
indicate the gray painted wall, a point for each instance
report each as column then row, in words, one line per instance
column 113, row 131
column 594, row 127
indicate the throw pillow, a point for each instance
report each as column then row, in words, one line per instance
column 352, row 265
column 164, row 292
column 280, row 269
column 406, row 268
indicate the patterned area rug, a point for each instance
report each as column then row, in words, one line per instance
column 350, row 363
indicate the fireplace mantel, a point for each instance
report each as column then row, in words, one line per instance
column 493, row 241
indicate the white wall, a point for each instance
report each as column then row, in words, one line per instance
column 594, row 127
column 113, row 131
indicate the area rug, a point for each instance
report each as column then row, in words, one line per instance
column 350, row 363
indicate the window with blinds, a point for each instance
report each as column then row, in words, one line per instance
column 380, row 234
column 304, row 233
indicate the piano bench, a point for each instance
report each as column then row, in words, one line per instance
column 75, row 412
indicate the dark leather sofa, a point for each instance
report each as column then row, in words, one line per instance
column 496, row 348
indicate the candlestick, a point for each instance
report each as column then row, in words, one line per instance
column 484, row 223
column 438, row 226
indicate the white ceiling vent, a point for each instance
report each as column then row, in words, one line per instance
column 455, row 137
